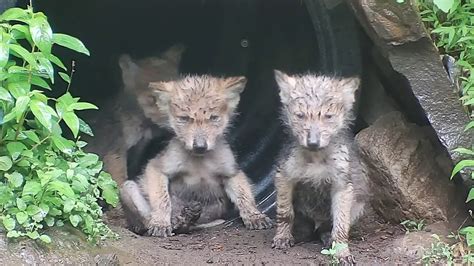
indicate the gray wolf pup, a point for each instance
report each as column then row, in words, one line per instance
column 131, row 118
column 197, row 169
column 321, row 176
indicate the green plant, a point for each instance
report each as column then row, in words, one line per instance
column 452, row 26
column 333, row 250
column 45, row 179
column 439, row 251
column 412, row 226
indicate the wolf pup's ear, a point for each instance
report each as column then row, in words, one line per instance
column 129, row 71
column 348, row 88
column 285, row 83
column 233, row 87
column 174, row 53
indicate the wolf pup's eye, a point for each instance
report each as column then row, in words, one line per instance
column 300, row 115
column 183, row 119
column 214, row 118
column 328, row 116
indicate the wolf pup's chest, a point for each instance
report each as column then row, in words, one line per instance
column 306, row 167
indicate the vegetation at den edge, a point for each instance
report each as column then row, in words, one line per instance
column 46, row 179
column 451, row 24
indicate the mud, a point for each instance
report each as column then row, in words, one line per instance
column 372, row 242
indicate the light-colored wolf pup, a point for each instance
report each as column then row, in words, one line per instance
column 322, row 177
column 131, row 118
column 197, row 167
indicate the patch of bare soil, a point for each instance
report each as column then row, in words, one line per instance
column 372, row 242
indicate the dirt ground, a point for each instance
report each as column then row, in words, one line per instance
column 372, row 242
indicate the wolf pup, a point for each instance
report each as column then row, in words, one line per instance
column 321, row 176
column 132, row 113
column 198, row 166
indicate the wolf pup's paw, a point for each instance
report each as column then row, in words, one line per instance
column 347, row 260
column 159, row 228
column 283, row 242
column 345, row 257
column 257, row 222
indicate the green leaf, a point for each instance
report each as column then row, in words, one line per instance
column 20, row 204
column 21, row 32
column 18, row 89
column 469, row 125
column 43, row 113
column 21, row 217
column 81, row 106
column 5, row 95
column 80, row 183
column 30, row 134
column 49, row 220
column 68, row 205
column 460, row 165
column 31, row 188
column 15, row 149
column 41, row 33
column 444, row 5
column 55, row 60
column 72, row 121
column 70, row 42
column 14, row 14
column 5, row 163
column 110, row 195
column 45, row 238
column 15, row 179
column 35, row 213
column 65, row 77
column 64, row 145
column 469, row 102
column 33, row 234
column 85, row 128
column 45, row 66
column 9, row 223
column 4, row 54
column 471, row 195
column 75, row 220
column 20, row 106
column 62, row 188
column 88, row 160
column 23, row 54
column 13, row 233
column 464, row 151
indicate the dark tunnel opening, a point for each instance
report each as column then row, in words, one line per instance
column 249, row 38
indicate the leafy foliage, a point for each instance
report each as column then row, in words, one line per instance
column 439, row 252
column 413, row 226
column 452, row 25
column 45, row 179
column 331, row 252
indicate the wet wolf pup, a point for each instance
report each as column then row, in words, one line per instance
column 197, row 167
column 321, row 176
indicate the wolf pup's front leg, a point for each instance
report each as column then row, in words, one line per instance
column 240, row 193
column 285, row 213
column 341, row 206
column 155, row 183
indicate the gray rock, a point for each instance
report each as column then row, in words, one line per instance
column 407, row 181
column 401, row 38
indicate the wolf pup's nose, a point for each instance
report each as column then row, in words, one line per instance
column 313, row 145
column 312, row 141
column 199, row 147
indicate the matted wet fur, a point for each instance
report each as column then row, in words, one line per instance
column 321, row 175
column 197, row 169
column 131, row 118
